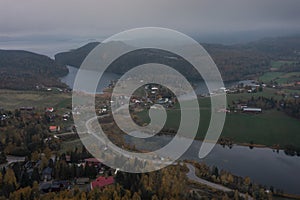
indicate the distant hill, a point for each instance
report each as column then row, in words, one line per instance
column 281, row 48
column 235, row 62
column 75, row 57
column 24, row 70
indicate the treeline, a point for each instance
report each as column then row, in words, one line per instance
column 168, row 183
column 290, row 67
column 236, row 183
column 290, row 106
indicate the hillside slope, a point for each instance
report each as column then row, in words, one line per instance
column 75, row 57
column 235, row 62
column 24, row 70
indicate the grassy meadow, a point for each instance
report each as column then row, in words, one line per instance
column 13, row 99
column 267, row 128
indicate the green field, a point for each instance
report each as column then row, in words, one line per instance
column 267, row 92
column 270, row 76
column 280, row 77
column 11, row 99
column 268, row 128
column 278, row 64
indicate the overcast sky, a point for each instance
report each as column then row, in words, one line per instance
column 88, row 18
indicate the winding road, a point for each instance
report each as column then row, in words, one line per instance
column 192, row 176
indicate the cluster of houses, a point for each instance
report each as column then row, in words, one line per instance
column 249, row 86
column 51, row 116
column 103, row 110
column 154, row 95
column 55, row 186
column 48, row 184
column 246, row 109
column 41, row 87
column 242, row 108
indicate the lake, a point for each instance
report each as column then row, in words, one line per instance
column 104, row 81
column 199, row 86
column 262, row 165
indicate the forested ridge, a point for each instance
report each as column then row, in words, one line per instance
column 25, row 70
column 235, row 62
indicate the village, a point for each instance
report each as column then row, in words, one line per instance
column 55, row 170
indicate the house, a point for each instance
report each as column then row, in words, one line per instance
column 253, row 110
column 3, row 117
column 102, row 181
column 163, row 100
column 223, row 110
column 47, row 174
column 54, row 128
column 103, row 110
column 26, row 108
column 45, row 187
column 59, row 185
column 50, row 109
column 241, row 106
column 92, row 161
column 82, row 181
column 54, row 186
column 68, row 158
column 66, row 116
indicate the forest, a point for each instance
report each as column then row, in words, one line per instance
column 24, row 70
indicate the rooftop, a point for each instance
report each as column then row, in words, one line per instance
column 102, row 181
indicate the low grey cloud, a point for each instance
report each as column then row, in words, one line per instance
column 92, row 17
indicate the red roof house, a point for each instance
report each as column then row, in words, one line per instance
column 50, row 109
column 54, row 128
column 102, row 181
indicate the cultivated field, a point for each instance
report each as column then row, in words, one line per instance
column 12, row 99
column 267, row 128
